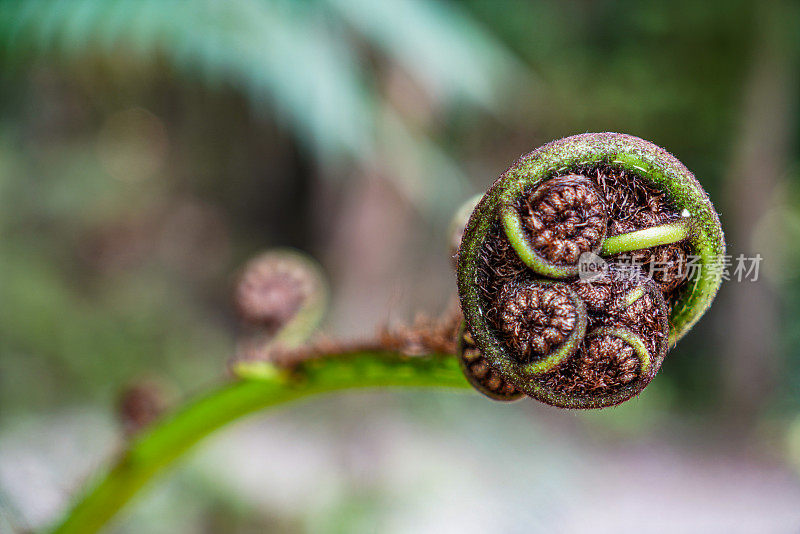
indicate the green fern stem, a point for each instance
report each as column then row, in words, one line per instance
column 266, row 386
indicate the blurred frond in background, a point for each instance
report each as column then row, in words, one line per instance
column 309, row 64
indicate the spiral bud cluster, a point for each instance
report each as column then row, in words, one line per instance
column 536, row 325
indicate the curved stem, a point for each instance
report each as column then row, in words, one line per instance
column 155, row 450
column 663, row 234
column 519, row 239
column 629, row 298
column 632, row 339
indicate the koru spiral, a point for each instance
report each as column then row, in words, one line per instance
column 573, row 271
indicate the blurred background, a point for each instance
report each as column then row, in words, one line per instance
column 149, row 147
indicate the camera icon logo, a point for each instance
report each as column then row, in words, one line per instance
column 591, row 267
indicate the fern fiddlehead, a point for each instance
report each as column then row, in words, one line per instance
column 537, row 322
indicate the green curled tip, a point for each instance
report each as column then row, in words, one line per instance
column 518, row 237
column 630, row 297
column 632, row 339
column 663, row 234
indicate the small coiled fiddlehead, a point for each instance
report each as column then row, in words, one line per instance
column 480, row 374
column 555, row 223
column 281, row 295
column 536, row 325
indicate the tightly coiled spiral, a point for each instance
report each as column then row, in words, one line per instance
column 541, row 322
column 564, row 218
column 536, row 318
